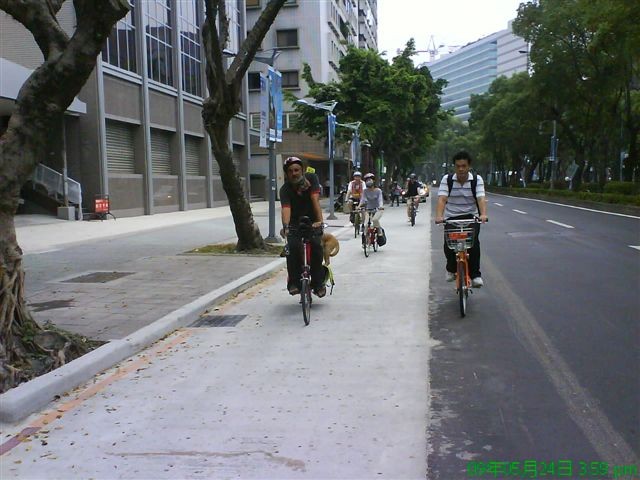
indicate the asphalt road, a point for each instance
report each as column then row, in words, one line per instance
column 546, row 365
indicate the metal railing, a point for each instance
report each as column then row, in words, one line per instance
column 53, row 183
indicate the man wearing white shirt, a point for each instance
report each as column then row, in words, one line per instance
column 462, row 196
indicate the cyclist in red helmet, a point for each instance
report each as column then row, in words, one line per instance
column 300, row 197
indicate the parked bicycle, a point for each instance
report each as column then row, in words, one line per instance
column 369, row 233
column 460, row 235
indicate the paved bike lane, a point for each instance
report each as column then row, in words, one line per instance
column 346, row 397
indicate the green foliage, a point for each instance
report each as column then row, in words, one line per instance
column 585, row 55
column 622, row 188
column 396, row 102
column 612, row 198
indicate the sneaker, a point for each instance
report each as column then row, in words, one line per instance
column 293, row 290
column 321, row 291
column 477, row 282
column 451, row 276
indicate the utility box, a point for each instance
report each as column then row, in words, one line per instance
column 67, row 213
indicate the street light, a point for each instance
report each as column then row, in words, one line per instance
column 328, row 106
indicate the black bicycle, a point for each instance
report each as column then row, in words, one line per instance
column 305, row 231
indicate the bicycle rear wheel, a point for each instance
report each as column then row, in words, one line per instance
column 374, row 240
column 462, row 288
column 305, row 300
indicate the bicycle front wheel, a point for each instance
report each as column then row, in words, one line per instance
column 365, row 244
column 462, row 288
column 305, row 300
column 413, row 216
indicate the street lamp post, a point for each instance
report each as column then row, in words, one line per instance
column 270, row 61
column 328, row 107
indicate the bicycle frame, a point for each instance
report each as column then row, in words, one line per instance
column 460, row 236
column 370, row 233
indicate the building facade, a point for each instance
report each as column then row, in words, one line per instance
column 471, row 69
column 316, row 33
column 138, row 134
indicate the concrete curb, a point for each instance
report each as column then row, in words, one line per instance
column 34, row 395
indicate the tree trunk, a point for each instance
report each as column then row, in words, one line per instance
column 249, row 237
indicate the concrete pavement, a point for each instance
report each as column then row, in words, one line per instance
column 128, row 308
column 346, row 397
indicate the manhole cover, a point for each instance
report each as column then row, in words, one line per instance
column 42, row 306
column 218, row 321
column 98, row 277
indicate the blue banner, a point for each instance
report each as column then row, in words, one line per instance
column 275, row 105
column 331, row 128
column 264, row 110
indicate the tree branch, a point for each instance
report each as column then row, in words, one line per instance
column 40, row 19
column 212, row 47
column 250, row 45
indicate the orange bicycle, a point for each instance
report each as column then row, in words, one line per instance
column 460, row 235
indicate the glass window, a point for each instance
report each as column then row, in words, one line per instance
column 253, row 3
column 290, row 79
column 157, row 15
column 120, row 48
column 189, row 21
column 254, row 80
column 287, row 38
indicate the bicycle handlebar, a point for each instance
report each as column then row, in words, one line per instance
column 462, row 221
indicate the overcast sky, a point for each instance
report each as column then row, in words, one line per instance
column 451, row 22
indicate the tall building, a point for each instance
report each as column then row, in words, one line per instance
column 135, row 131
column 317, row 33
column 471, row 69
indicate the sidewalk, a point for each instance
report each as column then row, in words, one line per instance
column 154, row 296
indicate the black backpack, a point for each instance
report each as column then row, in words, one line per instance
column 474, row 183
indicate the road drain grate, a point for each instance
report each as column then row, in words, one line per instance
column 98, row 277
column 218, row 321
column 51, row 305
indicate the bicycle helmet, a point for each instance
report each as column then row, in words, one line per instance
column 290, row 161
column 357, row 174
column 369, row 175
column 412, row 176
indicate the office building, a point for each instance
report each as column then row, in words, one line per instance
column 135, row 131
column 471, row 69
column 316, row 33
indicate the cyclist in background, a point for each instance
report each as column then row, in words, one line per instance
column 412, row 193
column 372, row 198
column 354, row 191
column 300, row 197
column 465, row 199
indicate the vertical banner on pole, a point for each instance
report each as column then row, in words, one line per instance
column 275, row 105
column 331, row 124
column 264, row 110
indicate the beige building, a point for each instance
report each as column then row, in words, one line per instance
column 135, row 131
column 317, row 33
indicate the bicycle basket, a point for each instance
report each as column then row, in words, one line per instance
column 460, row 237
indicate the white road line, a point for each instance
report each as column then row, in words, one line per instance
column 520, row 211
column 637, row 247
column 498, row 204
column 568, row 206
column 561, row 224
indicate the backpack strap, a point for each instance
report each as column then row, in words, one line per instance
column 450, row 182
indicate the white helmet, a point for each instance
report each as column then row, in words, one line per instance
column 357, row 174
